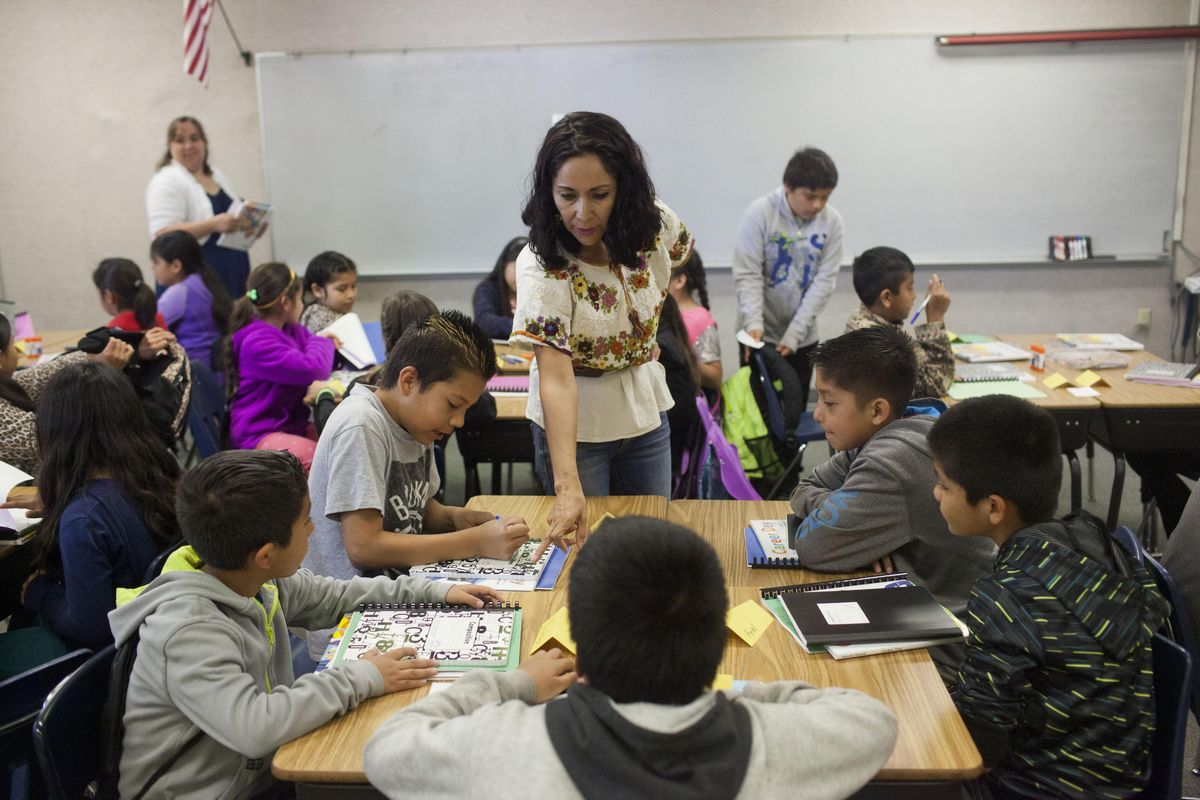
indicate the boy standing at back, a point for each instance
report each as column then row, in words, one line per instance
column 1057, row 687
column 786, row 259
column 647, row 611
column 871, row 501
column 883, row 281
column 212, row 692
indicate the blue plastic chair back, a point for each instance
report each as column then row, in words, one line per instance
column 67, row 733
column 1128, row 541
column 206, row 415
column 809, row 430
column 1179, row 623
column 1173, row 679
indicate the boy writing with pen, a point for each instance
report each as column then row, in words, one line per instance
column 883, row 280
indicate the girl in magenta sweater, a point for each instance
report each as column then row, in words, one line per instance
column 272, row 361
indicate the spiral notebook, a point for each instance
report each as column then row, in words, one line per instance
column 995, row 371
column 511, row 384
column 459, row 638
column 517, row 574
column 861, row 615
column 767, row 547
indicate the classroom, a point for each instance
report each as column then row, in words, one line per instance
column 404, row 135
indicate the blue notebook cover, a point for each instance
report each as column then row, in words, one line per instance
column 375, row 337
column 753, row 548
column 553, row 568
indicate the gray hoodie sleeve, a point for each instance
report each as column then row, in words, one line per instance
column 748, row 266
column 855, row 512
column 318, row 602
column 815, row 299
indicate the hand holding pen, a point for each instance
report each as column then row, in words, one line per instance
column 937, row 301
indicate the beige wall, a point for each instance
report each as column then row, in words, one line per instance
column 86, row 91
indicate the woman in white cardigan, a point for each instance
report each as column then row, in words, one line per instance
column 186, row 194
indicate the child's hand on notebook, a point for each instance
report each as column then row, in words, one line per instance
column 883, row 565
column 401, row 669
column 473, row 596
column 499, row 538
column 552, row 673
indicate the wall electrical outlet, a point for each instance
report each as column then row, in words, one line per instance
column 1143, row 318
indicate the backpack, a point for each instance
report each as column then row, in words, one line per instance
column 763, row 453
column 711, row 468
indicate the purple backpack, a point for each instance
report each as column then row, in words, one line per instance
column 711, row 469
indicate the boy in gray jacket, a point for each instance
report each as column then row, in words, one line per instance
column 786, row 259
column 872, row 502
column 647, row 610
column 212, row 685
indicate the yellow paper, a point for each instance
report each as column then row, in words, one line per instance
column 1089, row 378
column 603, row 517
column 555, row 631
column 337, row 386
column 1054, row 381
column 722, row 683
column 749, row 621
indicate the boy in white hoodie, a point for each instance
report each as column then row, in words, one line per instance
column 213, row 663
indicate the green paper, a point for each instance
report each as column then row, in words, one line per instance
column 964, row 391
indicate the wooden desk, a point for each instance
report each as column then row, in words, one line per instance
column 510, row 406
column 504, row 349
column 721, row 523
column 933, row 744
column 56, row 341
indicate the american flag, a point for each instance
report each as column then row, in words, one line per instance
column 196, row 16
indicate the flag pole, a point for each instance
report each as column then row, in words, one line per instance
column 246, row 55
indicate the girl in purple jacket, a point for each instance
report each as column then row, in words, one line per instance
column 272, row 361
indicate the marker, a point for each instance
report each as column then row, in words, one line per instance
column 924, row 303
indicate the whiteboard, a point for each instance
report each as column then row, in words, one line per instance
column 417, row 162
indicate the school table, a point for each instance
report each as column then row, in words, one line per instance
column 933, row 747
column 56, row 341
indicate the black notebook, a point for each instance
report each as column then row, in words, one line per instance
column 864, row 616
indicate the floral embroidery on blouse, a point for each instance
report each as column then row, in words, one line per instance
column 548, row 330
column 601, row 296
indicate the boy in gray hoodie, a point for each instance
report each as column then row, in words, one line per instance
column 647, row 610
column 871, row 503
column 786, row 259
column 213, row 664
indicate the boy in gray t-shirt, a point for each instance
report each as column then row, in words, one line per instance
column 373, row 479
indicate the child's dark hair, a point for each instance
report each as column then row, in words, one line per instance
column 123, row 278
column 267, row 285
column 400, row 310
column 811, row 168
column 496, row 276
column 647, row 609
column 693, row 270
column 183, row 247
column 880, row 268
column 870, row 363
column 635, row 219
column 671, row 321
column 324, row 268
column 234, row 502
column 439, row 347
column 1004, row 446
column 12, row 392
column 89, row 422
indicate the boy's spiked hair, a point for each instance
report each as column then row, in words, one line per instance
column 439, row 347
column 869, row 363
column 1004, row 446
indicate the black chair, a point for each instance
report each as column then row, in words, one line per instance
column 156, row 566
column 206, row 415
column 1173, row 678
column 21, row 698
column 67, row 734
column 789, row 425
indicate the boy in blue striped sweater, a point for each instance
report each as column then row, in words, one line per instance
column 1057, row 685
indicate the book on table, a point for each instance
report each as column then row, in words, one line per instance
column 1165, row 373
column 355, row 346
column 508, row 384
column 521, row 573
column 767, row 545
column 991, row 371
column 459, row 638
column 15, row 526
column 1100, row 341
column 983, row 352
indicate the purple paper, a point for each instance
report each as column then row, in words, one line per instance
column 22, row 327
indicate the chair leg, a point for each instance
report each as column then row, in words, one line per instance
column 497, row 472
column 1091, row 457
column 472, row 488
column 791, row 467
column 1076, row 489
column 1118, row 486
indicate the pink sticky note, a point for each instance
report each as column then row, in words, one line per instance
column 22, row 326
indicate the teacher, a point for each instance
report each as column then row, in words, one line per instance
column 590, row 289
column 186, row 194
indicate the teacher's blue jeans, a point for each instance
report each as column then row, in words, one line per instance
column 641, row 465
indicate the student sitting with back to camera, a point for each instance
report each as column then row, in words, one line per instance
column 871, row 502
column 647, row 610
column 883, row 280
column 213, row 662
column 373, row 478
column 1057, row 687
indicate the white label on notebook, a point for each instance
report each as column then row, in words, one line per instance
column 842, row 613
column 451, row 633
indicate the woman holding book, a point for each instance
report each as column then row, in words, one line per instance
column 187, row 194
column 590, row 289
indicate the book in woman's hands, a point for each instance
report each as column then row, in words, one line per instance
column 252, row 223
column 457, row 637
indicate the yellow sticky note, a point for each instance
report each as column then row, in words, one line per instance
column 337, row 386
column 749, row 621
column 555, row 632
column 1054, row 381
column 598, row 522
column 1089, row 378
column 722, row 683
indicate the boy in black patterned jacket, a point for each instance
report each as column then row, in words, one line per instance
column 1057, row 685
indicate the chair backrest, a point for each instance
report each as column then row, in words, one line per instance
column 156, row 566
column 1173, row 676
column 206, row 415
column 67, row 733
column 1179, row 623
column 1128, row 541
column 782, row 408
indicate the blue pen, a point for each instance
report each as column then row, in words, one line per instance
column 924, row 303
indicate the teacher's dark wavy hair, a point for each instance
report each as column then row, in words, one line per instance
column 89, row 422
column 635, row 220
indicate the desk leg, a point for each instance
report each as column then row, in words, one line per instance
column 472, row 487
column 1076, row 480
column 337, row 791
column 1091, row 457
column 497, row 473
column 1114, row 500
